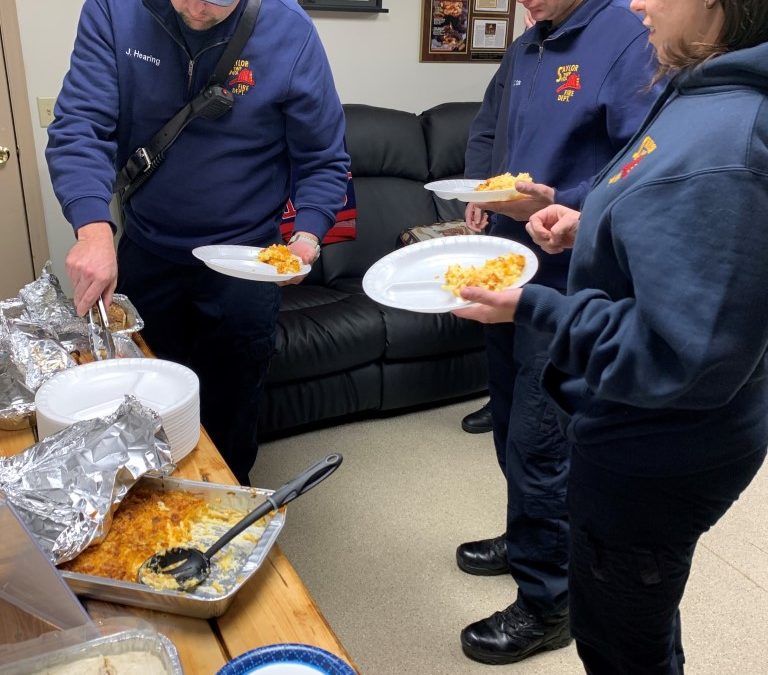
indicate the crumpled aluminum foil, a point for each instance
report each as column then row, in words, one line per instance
column 47, row 305
column 17, row 401
column 67, row 487
column 40, row 329
column 37, row 352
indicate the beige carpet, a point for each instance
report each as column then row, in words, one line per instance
column 375, row 545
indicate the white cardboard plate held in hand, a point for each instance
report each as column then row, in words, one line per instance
column 242, row 262
column 412, row 277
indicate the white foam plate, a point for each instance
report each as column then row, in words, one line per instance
column 412, row 277
column 463, row 189
column 97, row 389
column 242, row 262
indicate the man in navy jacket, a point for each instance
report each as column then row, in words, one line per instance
column 223, row 181
column 568, row 95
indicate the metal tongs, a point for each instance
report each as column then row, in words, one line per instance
column 102, row 342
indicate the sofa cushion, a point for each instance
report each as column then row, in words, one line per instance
column 386, row 206
column 384, row 142
column 296, row 405
column 411, row 335
column 322, row 331
column 446, row 131
column 410, row 383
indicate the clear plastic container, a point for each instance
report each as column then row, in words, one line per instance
column 113, row 637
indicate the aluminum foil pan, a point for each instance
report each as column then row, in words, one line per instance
column 81, row 350
column 205, row 601
column 67, row 487
column 17, row 401
column 133, row 322
column 123, row 642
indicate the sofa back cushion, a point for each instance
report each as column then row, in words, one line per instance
column 446, row 131
column 389, row 169
column 394, row 153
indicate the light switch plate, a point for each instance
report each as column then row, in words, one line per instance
column 45, row 110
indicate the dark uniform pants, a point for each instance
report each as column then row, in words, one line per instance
column 221, row 327
column 534, row 457
column 633, row 541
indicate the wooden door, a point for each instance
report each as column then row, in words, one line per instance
column 23, row 241
column 15, row 252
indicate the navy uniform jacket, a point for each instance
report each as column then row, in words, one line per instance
column 223, row 180
column 562, row 105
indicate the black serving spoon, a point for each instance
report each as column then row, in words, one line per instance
column 186, row 568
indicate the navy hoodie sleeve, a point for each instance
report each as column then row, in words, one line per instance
column 697, row 325
column 315, row 135
column 482, row 133
column 626, row 95
column 81, row 140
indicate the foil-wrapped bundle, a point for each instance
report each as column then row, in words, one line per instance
column 42, row 333
column 17, row 401
column 67, row 487
column 37, row 352
column 46, row 304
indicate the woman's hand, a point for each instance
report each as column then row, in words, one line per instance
column 493, row 307
column 554, row 228
column 91, row 265
column 475, row 217
column 537, row 197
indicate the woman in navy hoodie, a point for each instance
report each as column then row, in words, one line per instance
column 658, row 365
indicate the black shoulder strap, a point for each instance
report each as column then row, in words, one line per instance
column 235, row 46
column 211, row 103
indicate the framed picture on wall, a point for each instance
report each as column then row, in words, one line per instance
column 446, row 23
column 491, row 6
column 455, row 30
column 344, row 5
column 489, row 34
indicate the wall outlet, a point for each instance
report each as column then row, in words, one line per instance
column 45, row 110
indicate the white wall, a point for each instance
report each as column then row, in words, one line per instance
column 375, row 60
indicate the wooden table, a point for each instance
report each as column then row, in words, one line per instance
column 274, row 606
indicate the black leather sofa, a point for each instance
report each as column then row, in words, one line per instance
column 340, row 354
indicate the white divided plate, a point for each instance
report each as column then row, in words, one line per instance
column 463, row 189
column 97, row 389
column 242, row 262
column 412, row 277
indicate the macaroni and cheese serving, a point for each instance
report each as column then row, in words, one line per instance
column 505, row 181
column 495, row 275
column 280, row 257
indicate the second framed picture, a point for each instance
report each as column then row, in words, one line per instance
column 501, row 6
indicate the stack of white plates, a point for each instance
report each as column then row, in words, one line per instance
column 97, row 390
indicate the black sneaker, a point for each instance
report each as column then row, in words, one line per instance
column 513, row 635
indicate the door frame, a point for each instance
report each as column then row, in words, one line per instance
column 22, row 123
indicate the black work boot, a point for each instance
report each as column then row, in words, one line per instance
column 478, row 422
column 513, row 635
column 487, row 557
